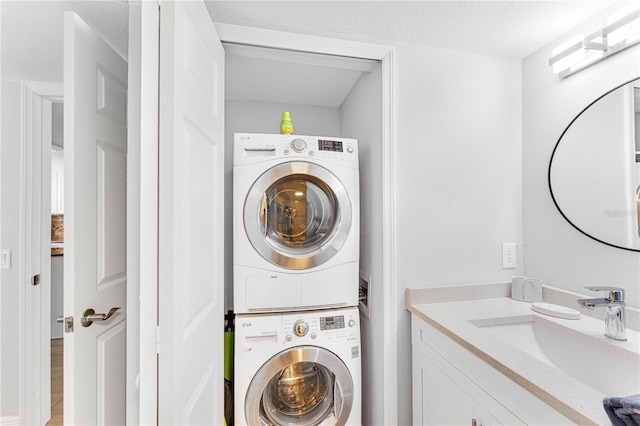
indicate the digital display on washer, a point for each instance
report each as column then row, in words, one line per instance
column 331, row 323
column 325, row 145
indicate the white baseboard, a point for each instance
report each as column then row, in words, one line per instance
column 9, row 420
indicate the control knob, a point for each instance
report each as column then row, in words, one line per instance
column 298, row 145
column 300, row 328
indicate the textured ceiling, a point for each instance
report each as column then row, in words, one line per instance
column 506, row 28
column 31, row 44
column 32, row 35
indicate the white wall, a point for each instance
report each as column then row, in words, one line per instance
column 9, row 239
column 458, row 176
column 555, row 251
column 264, row 117
column 361, row 118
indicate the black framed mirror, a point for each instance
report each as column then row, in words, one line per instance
column 594, row 170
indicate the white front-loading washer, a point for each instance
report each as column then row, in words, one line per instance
column 296, row 228
column 298, row 368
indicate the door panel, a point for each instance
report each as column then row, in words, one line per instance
column 111, row 187
column 111, row 364
column 191, row 196
column 95, row 234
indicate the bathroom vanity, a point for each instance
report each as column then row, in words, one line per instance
column 473, row 362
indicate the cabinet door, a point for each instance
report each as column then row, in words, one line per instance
column 437, row 400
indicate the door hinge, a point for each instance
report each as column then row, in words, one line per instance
column 158, row 339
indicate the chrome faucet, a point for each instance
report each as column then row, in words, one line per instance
column 615, row 318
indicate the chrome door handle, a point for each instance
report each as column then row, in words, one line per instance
column 89, row 316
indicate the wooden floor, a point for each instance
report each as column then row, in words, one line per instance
column 57, row 356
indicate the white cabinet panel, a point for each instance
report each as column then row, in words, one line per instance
column 437, row 399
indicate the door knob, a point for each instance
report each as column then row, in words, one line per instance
column 89, row 316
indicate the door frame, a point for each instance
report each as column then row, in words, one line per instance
column 35, row 306
column 258, row 37
column 142, row 213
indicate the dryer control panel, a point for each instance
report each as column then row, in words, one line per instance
column 255, row 147
column 319, row 147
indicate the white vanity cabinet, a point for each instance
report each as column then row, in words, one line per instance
column 439, row 400
column 452, row 386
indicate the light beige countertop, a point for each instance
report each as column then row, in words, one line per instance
column 454, row 312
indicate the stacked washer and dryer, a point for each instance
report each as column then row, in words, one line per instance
column 296, row 233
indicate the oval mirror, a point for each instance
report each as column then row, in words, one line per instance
column 594, row 171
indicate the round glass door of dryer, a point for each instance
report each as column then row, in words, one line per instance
column 294, row 388
column 297, row 215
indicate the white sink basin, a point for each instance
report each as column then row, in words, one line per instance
column 608, row 368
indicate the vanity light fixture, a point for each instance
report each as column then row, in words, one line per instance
column 622, row 31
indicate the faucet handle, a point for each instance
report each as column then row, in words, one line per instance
column 616, row 294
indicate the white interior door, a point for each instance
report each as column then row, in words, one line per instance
column 191, row 200
column 95, row 88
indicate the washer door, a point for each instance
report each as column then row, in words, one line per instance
column 302, row 386
column 297, row 215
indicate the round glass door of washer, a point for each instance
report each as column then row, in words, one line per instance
column 297, row 215
column 301, row 392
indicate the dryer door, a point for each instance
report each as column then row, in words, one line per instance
column 297, row 215
column 306, row 385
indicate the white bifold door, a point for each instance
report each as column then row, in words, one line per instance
column 191, row 228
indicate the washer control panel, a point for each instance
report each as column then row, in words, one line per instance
column 328, row 325
column 339, row 325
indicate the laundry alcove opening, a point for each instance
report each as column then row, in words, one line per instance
column 327, row 96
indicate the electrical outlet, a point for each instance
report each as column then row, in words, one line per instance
column 508, row 255
column 364, row 294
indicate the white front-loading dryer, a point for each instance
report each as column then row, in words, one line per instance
column 298, row 368
column 296, row 228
